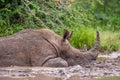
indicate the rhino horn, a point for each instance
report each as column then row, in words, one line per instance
column 97, row 44
column 95, row 50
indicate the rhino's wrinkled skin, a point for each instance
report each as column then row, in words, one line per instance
column 43, row 48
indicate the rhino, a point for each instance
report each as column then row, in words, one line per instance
column 44, row 48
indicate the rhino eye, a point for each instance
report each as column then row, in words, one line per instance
column 76, row 56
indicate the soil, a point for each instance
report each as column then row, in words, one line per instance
column 103, row 67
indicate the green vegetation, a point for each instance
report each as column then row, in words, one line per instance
column 84, row 17
column 109, row 78
column 110, row 41
column 83, row 36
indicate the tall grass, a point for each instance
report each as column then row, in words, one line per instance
column 109, row 40
column 83, row 36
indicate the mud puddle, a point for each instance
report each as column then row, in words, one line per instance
column 97, row 69
column 112, row 55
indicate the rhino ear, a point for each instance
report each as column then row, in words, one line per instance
column 67, row 35
column 70, row 35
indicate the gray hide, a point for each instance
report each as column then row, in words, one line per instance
column 43, row 48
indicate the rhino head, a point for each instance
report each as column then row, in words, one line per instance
column 74, row 56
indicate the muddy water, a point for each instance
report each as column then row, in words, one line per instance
column 112, row 55
column 110, row 66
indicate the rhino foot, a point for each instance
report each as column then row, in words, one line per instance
column 56, row 62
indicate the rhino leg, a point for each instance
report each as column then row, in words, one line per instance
column 56, row 62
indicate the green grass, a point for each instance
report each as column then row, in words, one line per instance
column 86, row 35
column 110, row 41
column 110, row 78
column 82, row 36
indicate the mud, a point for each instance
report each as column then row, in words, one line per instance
column 108, row 66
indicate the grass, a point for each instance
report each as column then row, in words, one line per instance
column 110, row 78
column 110, row 41
column 86, row 35
column 82, row 36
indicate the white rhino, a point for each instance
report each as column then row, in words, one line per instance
column 43, row 47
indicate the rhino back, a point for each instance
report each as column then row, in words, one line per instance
column 24, row 48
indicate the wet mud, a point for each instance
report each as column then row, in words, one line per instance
column 105, row 66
